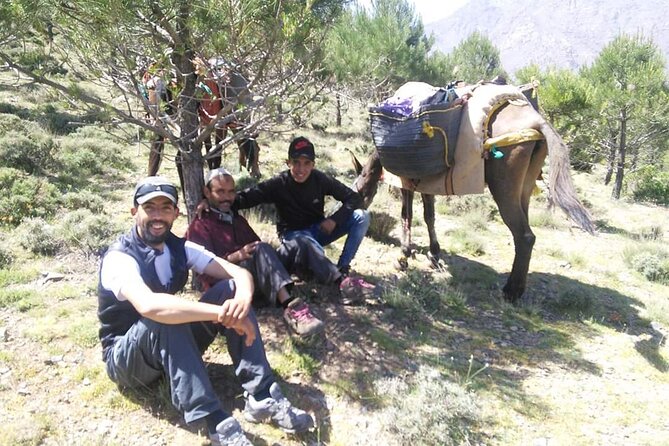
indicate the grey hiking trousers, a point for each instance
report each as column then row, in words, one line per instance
column 150, row 350
column 271, row 269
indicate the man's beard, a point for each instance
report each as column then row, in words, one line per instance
column 151, row 239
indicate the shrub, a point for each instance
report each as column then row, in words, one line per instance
column 381, row 225
column 6, row 258
column 650, row 184
column 84, row 199
column 428, row 410
column 39, row 237
column 24, row 196
column 649, row 260
column 88, row 233
column 30, row 152
column 88, row 153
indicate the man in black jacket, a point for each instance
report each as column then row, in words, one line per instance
column 299, row 196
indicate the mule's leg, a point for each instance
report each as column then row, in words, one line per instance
column 215, row 162
column 156, row 155
column 428, row 215
column 407, row 215
column 254, row 155
column 507, row 181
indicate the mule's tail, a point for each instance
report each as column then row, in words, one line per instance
column 561, row 188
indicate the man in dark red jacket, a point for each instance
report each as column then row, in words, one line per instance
column 229, row 235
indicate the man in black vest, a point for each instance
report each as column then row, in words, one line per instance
column 147, row 333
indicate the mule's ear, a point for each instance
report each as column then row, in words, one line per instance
column 356, row 164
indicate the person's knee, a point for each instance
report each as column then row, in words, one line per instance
column 362, row 218
column 220, row 292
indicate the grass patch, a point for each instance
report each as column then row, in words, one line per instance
column 21, row 299
column 17, row 276
column 292, row 361
column 84, row 333
column 417, row 295
column 466, row 241
column 428, row 410
column 572, row 301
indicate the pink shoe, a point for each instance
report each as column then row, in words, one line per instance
column 301, row 320
column 354, row 290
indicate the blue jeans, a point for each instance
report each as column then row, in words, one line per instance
column 356, row 228
column 150, row 350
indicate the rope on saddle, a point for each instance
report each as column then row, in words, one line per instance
column 429, row 131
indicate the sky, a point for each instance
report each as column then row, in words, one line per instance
column 430, row 10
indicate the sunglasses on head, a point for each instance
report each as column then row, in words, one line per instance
column 148, row 188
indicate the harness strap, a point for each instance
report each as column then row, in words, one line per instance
column 512, row 138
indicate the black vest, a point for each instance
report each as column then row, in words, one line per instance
column 116, row 317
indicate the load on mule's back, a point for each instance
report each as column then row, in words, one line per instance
column 220, row 90
column 502, row 142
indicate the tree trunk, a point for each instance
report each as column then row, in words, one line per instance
column 191, row 155
column 338, row 110
column 611, row 160
column 622, row 149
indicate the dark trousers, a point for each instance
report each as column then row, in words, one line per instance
column 150, row 350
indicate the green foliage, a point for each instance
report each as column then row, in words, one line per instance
column 475, row 59
column 83, row 231
column 6, row 257
column 24, row 145
column 24, row 196
column 466, row 240
column 427, row 410
column 87, row 153
column 364, row 43
column 419, row 295
column 650, row 184
column 572, row 300
column 649, row 259
column 630, row 95
column 381, row 225
column 38, row 236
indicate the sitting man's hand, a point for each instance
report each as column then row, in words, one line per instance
column 246, row 328
column 233, row 311
column 328, row 225
column 246, row 252
column 201, row 208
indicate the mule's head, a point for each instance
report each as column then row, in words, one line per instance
column 367, row 181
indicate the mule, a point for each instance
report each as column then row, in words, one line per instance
column 510, row 179
column 220, row 86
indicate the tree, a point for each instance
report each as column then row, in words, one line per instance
column 630, row 93
column 567, row 100
column 105, row 47
column 373, row 52
column 475, row 59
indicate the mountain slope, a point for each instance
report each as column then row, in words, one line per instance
column 565, row 34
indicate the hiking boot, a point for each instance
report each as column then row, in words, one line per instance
column 229, row 433
column 354, row 290
column 299, row 317
column 278, row 410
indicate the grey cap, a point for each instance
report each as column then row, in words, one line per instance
column 151, row 187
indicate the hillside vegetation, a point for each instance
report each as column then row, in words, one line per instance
column 440, row 359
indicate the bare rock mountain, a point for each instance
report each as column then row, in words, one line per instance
column 560, row 33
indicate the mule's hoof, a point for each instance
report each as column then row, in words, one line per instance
column 436, row 262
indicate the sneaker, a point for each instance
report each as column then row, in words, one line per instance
column 278, row 410
column 354, row 290
column 229, row 433
column 299, row 317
